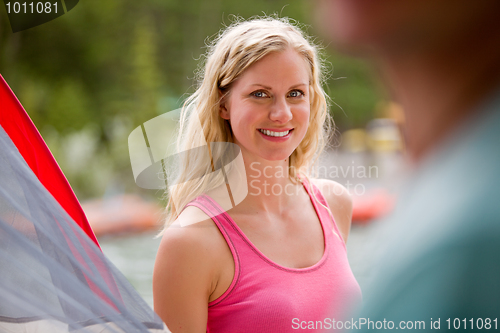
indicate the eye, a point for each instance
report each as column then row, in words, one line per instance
column 296, row 93
column 259, row 94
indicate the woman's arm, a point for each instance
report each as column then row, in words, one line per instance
column 184, row 277
column 340, row 202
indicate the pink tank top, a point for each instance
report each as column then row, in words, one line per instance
column 267, row 297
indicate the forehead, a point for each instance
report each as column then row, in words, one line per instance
column 277, row 69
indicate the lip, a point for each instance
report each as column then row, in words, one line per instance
column 276, row 138
column 277, row 129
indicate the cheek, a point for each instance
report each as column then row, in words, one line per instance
column 241, row 119
column 302, row 115
column 241, row 115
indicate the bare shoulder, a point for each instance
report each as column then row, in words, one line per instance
column 190, row 237
column 335, row 194
column 340, row 202
column 186, row 271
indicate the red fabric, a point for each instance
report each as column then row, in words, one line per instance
column 21, row 130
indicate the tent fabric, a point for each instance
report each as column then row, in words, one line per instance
column 19, row 127
column 53, row 275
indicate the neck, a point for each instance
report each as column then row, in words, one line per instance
column 269, row 186
column 440, row 86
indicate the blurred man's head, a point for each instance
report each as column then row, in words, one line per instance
column 396, row 25
column 439, row 57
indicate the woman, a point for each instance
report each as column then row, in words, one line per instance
column 276, row 260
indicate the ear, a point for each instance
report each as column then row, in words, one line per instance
column 223, row 111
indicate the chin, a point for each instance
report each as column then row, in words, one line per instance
column 277, row 156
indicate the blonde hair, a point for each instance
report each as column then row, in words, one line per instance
column 234, row 50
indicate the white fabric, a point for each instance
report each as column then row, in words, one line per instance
column 53, row 278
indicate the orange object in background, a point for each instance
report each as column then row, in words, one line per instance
column 123, row 214
column 373, row 204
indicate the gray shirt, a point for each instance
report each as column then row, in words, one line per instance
column 443, row 261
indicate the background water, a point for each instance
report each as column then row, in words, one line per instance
column 134, row 256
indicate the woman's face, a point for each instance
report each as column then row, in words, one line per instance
column 268, row 106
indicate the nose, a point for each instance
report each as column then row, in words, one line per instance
column 280, row 111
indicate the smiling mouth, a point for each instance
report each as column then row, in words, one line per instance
column 274, row 134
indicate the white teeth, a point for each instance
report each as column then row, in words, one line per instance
column 275, row 134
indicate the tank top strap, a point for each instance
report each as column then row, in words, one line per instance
column 219, row 216
column 225, row 225
column 322, row 208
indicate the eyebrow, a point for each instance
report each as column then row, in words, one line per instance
column 266, row 87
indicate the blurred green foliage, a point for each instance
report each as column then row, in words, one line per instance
column 91, row 76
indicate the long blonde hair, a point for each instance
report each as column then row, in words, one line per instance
column 234, row 50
